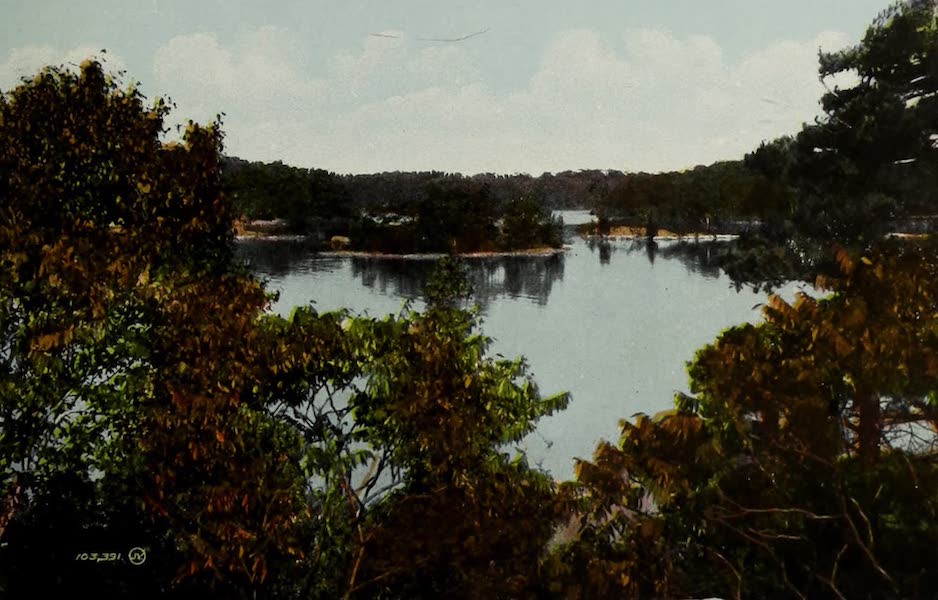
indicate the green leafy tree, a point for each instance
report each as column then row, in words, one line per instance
column 872, row 156
column 528, row 224
column 147, row 398
column 461, row 519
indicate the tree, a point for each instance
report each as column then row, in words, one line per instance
column 304, row 198
column 456, row 215
column 527, row 224
column 464, row 519
column 872, row 156
column 128, row 361
column 147, row 399
column 802, row 466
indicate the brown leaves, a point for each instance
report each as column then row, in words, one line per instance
column 240, row 492
column 52, row 341
column 821, row 392
column 114, row 253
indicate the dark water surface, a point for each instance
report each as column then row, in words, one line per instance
column 614, row 324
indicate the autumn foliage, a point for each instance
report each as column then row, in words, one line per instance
column 802, row 466
column 128, row 357
column 149, row 399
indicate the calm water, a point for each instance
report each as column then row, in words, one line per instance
column 613, row 324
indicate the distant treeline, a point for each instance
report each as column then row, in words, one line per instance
column 426, row 211
column 868, row 166
column 724, row 196
column 785, row 187
column 437, row 211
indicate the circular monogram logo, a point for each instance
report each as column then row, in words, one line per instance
column 137, row 556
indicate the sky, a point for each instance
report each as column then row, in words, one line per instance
column 545, row 85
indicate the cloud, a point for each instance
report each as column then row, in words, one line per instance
column 648, row 100
column 388, row 67
column 255, row 80
column 657, row 102
column 26, row 61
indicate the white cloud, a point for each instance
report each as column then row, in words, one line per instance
column 255, row 80
column 26, row 61
column 647, row 101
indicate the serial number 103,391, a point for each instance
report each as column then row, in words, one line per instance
column 99, row 556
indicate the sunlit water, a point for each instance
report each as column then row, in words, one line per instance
column 614, row 325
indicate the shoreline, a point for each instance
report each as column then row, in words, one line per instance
column 669, row 236
column 636, row 232
column 439, row 255
column 273, row 238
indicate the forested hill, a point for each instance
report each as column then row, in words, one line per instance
column 868, row 163
column 864, row 168
column 270, row 190
column 316, row 200
column 402, row 212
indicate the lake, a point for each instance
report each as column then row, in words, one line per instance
column 612, row 323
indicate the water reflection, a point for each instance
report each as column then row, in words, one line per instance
column 530, row 277
column 651, row 250
column 698, row 257
column 278, row 257
column 615, row 332
column 404, row 278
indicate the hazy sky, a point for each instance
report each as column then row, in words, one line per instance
column 550, row 85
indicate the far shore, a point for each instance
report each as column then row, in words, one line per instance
column 266, row 237
column 270, row 237
column 545, row 251
column 626, row 232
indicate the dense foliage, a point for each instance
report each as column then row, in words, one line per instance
column 465, row 519
column 871, row 158
column 148, row 398
column 802, row 466
column 724, row 197
column 128, row 362
column 412, row 212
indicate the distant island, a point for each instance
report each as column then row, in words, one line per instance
column 406, row 213
column 770, row 194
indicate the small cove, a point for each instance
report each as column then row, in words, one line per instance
column 614, row 324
